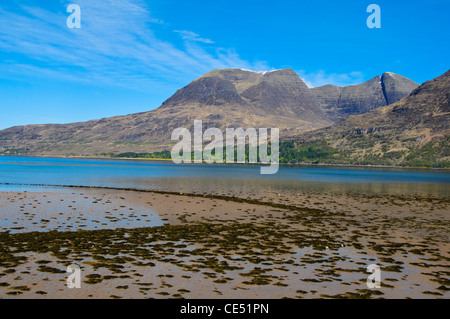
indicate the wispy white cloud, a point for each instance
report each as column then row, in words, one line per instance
column 320, row 77
column 116, row 45
column 191, row 36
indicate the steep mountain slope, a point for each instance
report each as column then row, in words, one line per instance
column 340, row 102
column 279, row 92
column 396, row 87
column 413, row 131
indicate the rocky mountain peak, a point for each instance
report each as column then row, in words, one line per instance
column 340, row 102
column 206, row 91
column 278, row 92
column 396, row 87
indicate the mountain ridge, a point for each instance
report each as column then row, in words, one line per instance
column 414, row 131
column 340, row 102
column 221, row 98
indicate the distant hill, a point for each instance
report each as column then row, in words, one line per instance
column 221, row 98
column 414, row 131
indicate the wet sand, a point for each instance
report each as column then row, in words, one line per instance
column 132, row 244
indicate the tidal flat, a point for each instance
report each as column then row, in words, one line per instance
column 161, row 244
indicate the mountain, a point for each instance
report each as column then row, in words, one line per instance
column 396, row 87
column 236, row 97
column 340, row 102
column 414, row 131
column 221, row 98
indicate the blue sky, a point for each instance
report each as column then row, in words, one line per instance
column 131, row 55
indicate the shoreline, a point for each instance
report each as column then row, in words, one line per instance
column 311, row 165
column 231, row 198
column 296, row 245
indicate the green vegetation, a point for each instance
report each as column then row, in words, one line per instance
column 290, row 153
column 14, row 151
column 433, row 154
column 430, row 155
column 159, row 155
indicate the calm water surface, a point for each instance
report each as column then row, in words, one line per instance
column 208, row 178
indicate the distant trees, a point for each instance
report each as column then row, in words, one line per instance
column 433, row 154
column 155, row 155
